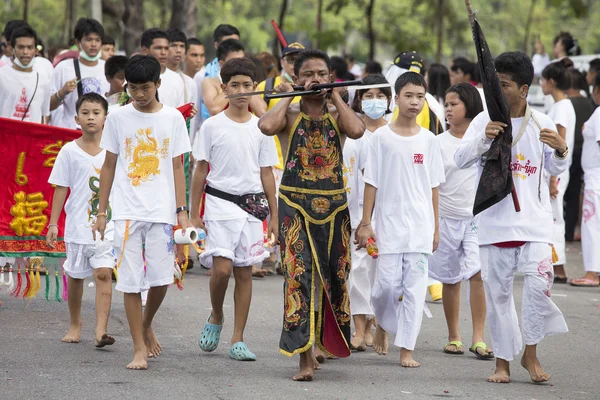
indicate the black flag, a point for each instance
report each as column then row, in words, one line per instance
column 496, row 179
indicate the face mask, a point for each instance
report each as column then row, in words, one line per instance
column 84, row 55
column 287, row 76
column 21, row 65
column 374, row 108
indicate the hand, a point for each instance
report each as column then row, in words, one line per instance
column 493, row 129
column 553, row 187
column 99, row 226
column 363, row 233
column 310, row 86
column 273, row 232
column 341, row 91
column 436, row 240
column 179, row 249
column 553, row 139
column 69, row 87
column 283, row 87
column 51, row 236
column 199, row 224
column 194, row 111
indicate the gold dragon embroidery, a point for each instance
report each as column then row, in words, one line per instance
column 145, row 160
column 294, row 269
column 319, row 158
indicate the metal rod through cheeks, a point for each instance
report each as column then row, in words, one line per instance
column 299, row 90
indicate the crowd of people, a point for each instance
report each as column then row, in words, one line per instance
column 360, row 198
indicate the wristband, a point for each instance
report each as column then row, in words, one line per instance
column 58, row 96
column 101, row 215
column 180, row 209
column 51, row 225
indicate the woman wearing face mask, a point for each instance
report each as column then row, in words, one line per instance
column 373, row 104
column 457, row 257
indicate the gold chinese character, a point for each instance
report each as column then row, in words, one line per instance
column 52, row 148
column 20, row 177
column 29, row 219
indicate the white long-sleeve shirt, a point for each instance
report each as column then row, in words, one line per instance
column 501, row 223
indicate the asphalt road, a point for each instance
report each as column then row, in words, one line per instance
column 35, row 364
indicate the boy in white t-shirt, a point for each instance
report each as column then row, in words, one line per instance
column 144, row 142
column 76, row 169
column 66, row 85
column 511, row 241
column 25, row 91
column 241, row 160
column 404, row 168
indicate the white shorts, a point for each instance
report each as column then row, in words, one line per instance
column 82, row 259
column 240, row 240
column 457, row 256
column 136, row 241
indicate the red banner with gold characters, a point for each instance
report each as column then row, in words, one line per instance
column 27, row 154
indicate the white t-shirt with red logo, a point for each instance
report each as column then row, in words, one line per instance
column 404, row 170
column 501, row 223
column 19, row 97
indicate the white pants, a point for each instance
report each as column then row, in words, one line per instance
column 539, row 315
column 83, row 259
column 590, row 230
column 360, row 280
column 457, row 256
column 400, row 275
column 559, row 218
column 240, row 240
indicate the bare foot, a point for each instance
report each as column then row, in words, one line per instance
column 306, row 368
column 380, row 341
column 320, row 356
column 358, row 343
column 316, row 363
column 406, row 359
column 152, row 344
column 104, row 340
column 73, row 335
column 502, row 374
column 536, row 372
column 369, row 338
column 140, row 360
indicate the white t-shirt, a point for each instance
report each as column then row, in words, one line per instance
column 79, row 171
column 355, row 158
column 501, row 223
column 93, row 80
column 197, row 120
column 404, row 170
column 41, row 65
column 563, row 113
column 482, row 94
column 146, row 143
column 236, row 153
column 590, row 155
column 16, row 91
column 457, row 194
column 172, row 89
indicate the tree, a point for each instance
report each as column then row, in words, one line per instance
column 133, row 24
column 185, row 16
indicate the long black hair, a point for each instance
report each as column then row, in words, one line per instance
column 438, row 80
column 372, row 80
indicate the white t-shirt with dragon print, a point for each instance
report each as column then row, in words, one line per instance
column 80, row 172
column 145, row 145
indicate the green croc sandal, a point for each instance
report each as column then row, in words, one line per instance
column 211, row 334
column 483, row 346
column 240, row 352
column 457, row 343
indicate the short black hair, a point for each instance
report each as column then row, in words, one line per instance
column 87, row 26
column 114, row 65
column 224, row 30
column 92, row 98
column 597, row 82
column 557, row 71
column 373, row 79
column 569, row 42
column 142, row 69
column 176, row 35
column 108, row 40
column 229, row 46
column 466, row 66
column 594, row 65
column 438, row 80
column 517, row 65
column 238, row 66
column 578, row 81
column 11, row 26
column 373, row 67
column 192, row 42
column 338, row 64
column 470, row 96
column 23, row 31
column 153, row 33
column 305, row 55
column 409, row 78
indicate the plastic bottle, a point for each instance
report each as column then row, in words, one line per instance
column 201, row 234
column 372, row 249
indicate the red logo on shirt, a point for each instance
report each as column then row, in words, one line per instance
column 418, row 158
